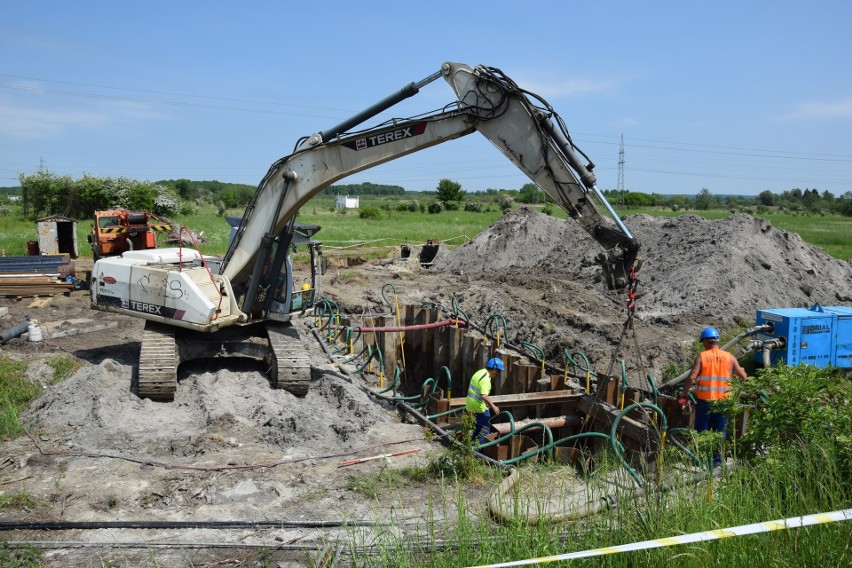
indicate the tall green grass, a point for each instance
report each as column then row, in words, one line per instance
column 800, row 482
column 802, row 468
column 17, row 391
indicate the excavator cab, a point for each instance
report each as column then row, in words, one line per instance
column 287, row 300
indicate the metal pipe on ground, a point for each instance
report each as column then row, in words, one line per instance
column 16, row 331
column 504, row 428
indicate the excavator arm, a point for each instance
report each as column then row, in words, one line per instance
column 531, row 135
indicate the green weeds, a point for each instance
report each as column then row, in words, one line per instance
column 20, row 556
column 16, row 391
column 795, row 461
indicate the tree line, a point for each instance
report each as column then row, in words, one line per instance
column 46, row 193
column 794, row 200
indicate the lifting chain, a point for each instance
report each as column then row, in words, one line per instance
column 632, row 285
column 631, row 292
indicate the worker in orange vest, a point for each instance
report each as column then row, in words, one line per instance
column 712, row 373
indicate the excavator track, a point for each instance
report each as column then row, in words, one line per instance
column 158, row 362
column 290, row 367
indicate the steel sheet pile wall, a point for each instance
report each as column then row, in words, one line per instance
column 528, row 390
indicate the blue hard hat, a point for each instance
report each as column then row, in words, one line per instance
column 495, row 363
column 709, row 333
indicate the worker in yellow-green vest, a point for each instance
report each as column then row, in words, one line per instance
column 478, row 402
column 712, row 373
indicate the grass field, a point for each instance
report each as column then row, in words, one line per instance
column 394, row 228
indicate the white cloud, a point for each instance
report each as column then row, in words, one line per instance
column 35, row 119
column 836, row 109
column 569, row 87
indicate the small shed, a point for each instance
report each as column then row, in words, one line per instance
column 57, row 235
column 348, row 202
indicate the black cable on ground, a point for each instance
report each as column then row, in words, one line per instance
column 87, row 525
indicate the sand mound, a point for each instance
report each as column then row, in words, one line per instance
column 731, row 266
column 94, row 409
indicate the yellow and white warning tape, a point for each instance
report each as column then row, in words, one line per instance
column 768, row 526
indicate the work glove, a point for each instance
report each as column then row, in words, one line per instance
column 684, row 404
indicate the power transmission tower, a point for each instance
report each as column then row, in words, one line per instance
column 621, row 165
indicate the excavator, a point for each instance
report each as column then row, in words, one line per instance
column 243, row 304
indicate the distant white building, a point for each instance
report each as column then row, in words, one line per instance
column 348, row 202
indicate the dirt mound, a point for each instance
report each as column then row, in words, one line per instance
column 95, row 409
column 726, row 267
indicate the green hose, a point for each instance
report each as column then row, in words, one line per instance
column 366, row 349
column 613, row 431
column 527, row 455
column 534, row 349
column 458, row 311
column 422, row 398
column 447, row 413
column 496, row 321
column 569, row 359
column 429, row 305
column 682, row 447
column 394, row 383
column 655, row 393
column 446, row 371
column 392, row 287
column 370, row 355
column 326, row 307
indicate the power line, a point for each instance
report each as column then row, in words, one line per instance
column 170, row 93
column 158, row 101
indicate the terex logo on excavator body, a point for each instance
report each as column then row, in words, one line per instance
column 388, row 136
column 143, row 307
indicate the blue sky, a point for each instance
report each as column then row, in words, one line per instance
column 736, row 97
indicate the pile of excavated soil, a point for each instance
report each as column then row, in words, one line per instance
column 94, row 409
column 726, row 267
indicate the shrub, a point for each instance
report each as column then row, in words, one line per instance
column 506, row 202
column 473, row 206
column 408, row 205
column 435, row 207
column 792, row 405
column 370, row 212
